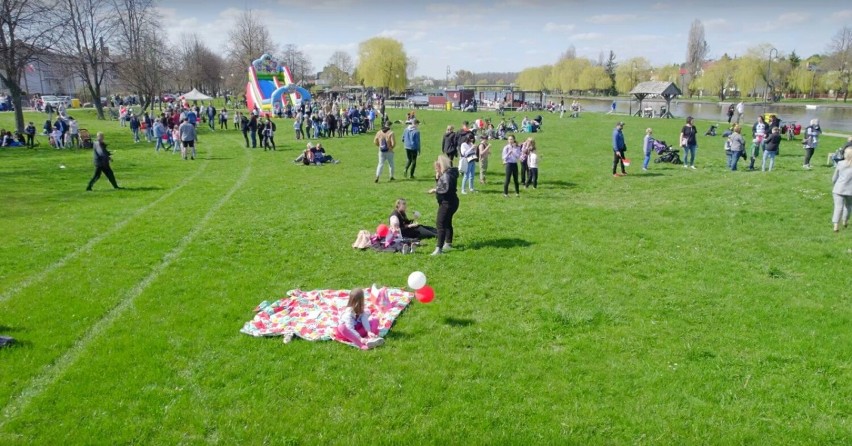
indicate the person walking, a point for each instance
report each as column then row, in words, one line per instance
column 411, row 142
column 134, row 127
column 384, row 140
column 740, row 111
column 842, row 190
column 252, row 129
column 448, row 202
column 811, row 141
column 618, row 149
column 731, row 109
column 187, row 138
column 244, row 126
column 102, row 158
column 511, row 154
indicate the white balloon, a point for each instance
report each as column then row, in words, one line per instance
column 416, row 280
column 416, row 215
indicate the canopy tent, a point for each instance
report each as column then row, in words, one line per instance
column 666, row 90
column 195, row 95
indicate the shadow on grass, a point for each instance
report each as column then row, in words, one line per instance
column 142, row 188
column 560, row 183
column 647, row 174
column 458, row 322
column 504, row 243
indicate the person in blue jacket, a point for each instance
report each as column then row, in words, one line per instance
column 411, row 141
column 618, row 149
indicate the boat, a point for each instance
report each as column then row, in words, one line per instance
column 810, row 107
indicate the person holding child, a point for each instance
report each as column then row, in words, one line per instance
column 357, row 324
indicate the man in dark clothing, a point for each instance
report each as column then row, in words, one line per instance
column 448, row 145
column 30, row 132
column 252, row 128
column 618, row 149
column 244, row 126
column 101, row 159
column 462, row 135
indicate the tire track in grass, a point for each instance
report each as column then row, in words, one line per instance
column 39, row 276
column 52, row 372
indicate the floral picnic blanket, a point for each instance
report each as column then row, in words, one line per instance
column 314, row 315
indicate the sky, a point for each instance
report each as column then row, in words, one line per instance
column 510, row 35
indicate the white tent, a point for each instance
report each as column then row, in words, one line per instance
column 195, row 95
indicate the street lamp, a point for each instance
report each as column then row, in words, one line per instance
column 768, row 77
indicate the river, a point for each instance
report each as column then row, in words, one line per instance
column 837, row 119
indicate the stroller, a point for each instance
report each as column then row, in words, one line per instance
column 86, row 139
column 666, row 153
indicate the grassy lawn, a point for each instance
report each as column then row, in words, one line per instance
column 672, row 307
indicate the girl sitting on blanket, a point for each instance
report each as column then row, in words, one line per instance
column 356, row 326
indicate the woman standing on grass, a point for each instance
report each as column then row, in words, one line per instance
column 689, row 143
column 484, row 153
column 842, row 190
column 770, row 149
column 467, row 163
column 736, row 144
column 511, row 154
column 448, row 202
column 647, row 147
column 811, row 140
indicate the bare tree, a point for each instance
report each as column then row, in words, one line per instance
column 840, row 59
column 26, row 32
column 696, row 49
column 141, row 62
column 338, row 70
column 570, row 53
column 199, row 67
column 298, row 62
column 248, row 40
column 91, row 26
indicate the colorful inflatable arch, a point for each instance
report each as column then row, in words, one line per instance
column 270, row 83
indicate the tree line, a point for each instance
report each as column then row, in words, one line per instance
column 764, row 72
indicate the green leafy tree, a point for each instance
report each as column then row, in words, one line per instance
column 382, row 63
column 610, row 68
column 535, row 78
column 718, row 77
column 630, row 73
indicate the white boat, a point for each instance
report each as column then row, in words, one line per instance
column 810, row 107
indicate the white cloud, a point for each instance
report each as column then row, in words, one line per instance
column 586, row 36
column 792, row 18
column 608, row 19
column 844, row 16
column 554, row 27
column 717, row 25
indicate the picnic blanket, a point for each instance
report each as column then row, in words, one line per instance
column 314, row 315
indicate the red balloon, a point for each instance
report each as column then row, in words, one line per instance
column 425, row 294
column 382, row 230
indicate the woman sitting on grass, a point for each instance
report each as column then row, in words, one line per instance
column 356, row 325
column 399, row 222
column 315, row 155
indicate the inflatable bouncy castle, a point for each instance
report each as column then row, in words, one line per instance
column 270, row 83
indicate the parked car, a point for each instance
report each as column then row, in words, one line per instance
column 169, row 98
column 55, row 101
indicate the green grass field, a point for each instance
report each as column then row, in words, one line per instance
column 673, row 307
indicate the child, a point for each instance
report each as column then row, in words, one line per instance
column 532, row 162
column 30, row 132
column 647, row 146
column 175, row 139
column 56, row 137
column 484, row 152
column 355, row 322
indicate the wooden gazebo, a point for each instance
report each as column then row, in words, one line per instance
column 666, row 90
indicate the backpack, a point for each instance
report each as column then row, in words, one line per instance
column 383, row 144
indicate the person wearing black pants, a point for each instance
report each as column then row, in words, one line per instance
column 252, row 129
column 448, row 202
column 102, row 159
column 30, row 132
column 618, row 148
column 244, row 124
column 511, row 154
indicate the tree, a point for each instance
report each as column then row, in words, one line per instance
column 90, row 26
column 535, row 78
column 464, row 77
column 382, row 63
column 667, row 73
column 610, row 67
column 594, row 78
column 717, row 78
column 630, row 73
column 299, row 63
column 339, row 69
column 141, row 65
column 566, row 73
column 26, row 32
column 696, row 49
column 746, row 73
column 839, row 59
column 248, row 40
